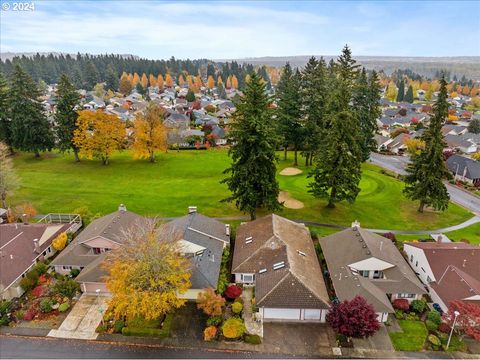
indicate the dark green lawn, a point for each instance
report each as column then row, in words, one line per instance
column 412, row 338
column 57, row 184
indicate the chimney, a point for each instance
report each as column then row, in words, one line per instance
column 122, row 207
column 227, row 229
column 192, row 209
column 464, row 262
column 439, row 238
column 356, row 224
column 37, row 245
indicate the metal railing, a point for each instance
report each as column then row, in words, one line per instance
column 74, row 219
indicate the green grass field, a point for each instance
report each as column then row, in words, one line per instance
column 55, row 183
column 412, row 338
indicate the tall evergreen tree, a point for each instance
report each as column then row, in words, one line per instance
column 251, row 176
column 30, row 128
column 347, row 71
column 112, row 79
column 190, row 96
column 68, row 102
column 401, row 91
column 367, row 107
column 425, row 174
column 91, row 75
column 222, row 94
column 5, row 127
column 289, row 123
column 409, row 95
column 313, row 91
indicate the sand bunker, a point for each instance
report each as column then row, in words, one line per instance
column 289, row 202
column 290, row 171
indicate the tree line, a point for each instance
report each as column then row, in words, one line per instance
column 329, row 113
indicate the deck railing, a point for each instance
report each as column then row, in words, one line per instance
column 74, row 219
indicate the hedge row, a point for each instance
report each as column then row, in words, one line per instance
column 163, row 332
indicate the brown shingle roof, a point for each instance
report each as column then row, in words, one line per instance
column 299, row 283
column 17, row 250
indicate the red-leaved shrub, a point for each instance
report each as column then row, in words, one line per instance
column 30, row 314
column 233, row 291
column 38, row 291
column 401, row 304
column 42, row 279
column 444, row 328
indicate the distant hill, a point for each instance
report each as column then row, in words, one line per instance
column 10, row 55
column 426, row 66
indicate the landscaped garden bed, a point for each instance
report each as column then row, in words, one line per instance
column 47, row 299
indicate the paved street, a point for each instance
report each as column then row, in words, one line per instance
column 458, row 196
column 49, row 348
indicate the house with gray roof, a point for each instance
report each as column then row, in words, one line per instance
column 464, row 169
column 369, row 265
column 457, row 142
column 277, row 256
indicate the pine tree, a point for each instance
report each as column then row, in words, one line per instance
column 289, row 111
column 5, row 126
column 409, row 95
column 401, row 91
column 313, row 92
column 347, row 71
column 112, row 79
column 30, row 127
column 68, row 102
column 337, row 171
column 91, row 75
column 425, row 174
column 190, row 96
column 366, row 105
column 222, row 94
column 251, row 177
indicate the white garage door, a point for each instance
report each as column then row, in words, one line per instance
column 288, row 314
column 312, row 314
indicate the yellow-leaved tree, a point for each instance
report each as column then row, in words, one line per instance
column 60, row 241
column 160, row 82
column 391, row 91
column 152, row 80
column 168, row 80
column 144, row 81
column 98, row 134
column 147, row 273
column 150, row 135
column 210, row 82
column 414, row 146
column 234, row 82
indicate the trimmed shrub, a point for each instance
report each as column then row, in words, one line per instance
column 66, row 287
column 435, row 317
column 253, row 339
column 46, row 305
column 118, row 326
column 418, row 306
column 30, row 280
column 401, row 304
column 434, row 340
column 41, row 268
column 444, row 328
column 412, row 316
column 74, row 273
column 38, row 291
column 431, row 326
column 399, row 314
column 209, row 333
column 237, row 307
column 64, row 307
column 5, row 307
column 233, row 291
column 101, row 329
column 4, row 320
column 214, row 320
column 30, row 314
column 233, row 328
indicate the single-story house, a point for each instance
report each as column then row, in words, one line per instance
column 399, row 143
column 276, row 255
column 456, row 142
column 369, row 265
column 382, row 142
column 464, row 169
column 451, row 271
column 21, row 247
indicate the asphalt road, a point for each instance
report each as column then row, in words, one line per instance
column 399, row 163
column 13, row 347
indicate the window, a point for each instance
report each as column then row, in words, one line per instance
column 416, row 263
column 97, row 250
column 364, row 273
column 44, row 253
column 67, row 267
column 378, row 274
column 49, row 249
column 406, row 296
column 411, row 258
column 428, row 279
column 423, row 269
column 248, row 278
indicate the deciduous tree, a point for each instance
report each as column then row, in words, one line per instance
column 147, row 273
column 210, row 303
column 425, row 174
column 125, row 86
column 98, row 134
column 160, row 82
column 355, row 318
column 150, row 135
column 168, row 81
column 210, row 82
column 252, row 174
column 468, row 322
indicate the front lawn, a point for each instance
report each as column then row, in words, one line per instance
column 412, row 338
column 56, row 183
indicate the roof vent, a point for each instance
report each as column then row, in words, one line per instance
column 301, row 253
column 192, row 209
column 368, row 252
column 356, row 224
column 364, row 246
column 248, row 240
column 262, row 271
column 122, row 207
column 279, row 265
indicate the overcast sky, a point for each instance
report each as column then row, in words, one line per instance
column 215, row 30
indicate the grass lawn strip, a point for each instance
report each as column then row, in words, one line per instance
column 412, row 338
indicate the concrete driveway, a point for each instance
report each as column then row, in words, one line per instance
column 83, row 319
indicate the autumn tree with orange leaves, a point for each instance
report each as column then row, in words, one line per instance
column 160, row 82
column 210, row 82
column 144, row 81
column 98, row 134
column 147, row 273
column 150, row 135
column 168, row 80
